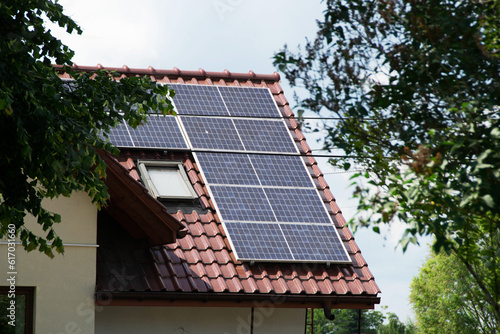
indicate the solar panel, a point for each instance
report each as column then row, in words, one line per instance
column 249, row 102
column 198, row 100
column 314, row 242
column 262, row 241
column 286, row 242
column 120, row 136
column 265, row 135
column 297, row 205
column 254, row 169
column 281, row 171
column 212, row 133
column 159, row 132
column 229, row 169
column 242, row 204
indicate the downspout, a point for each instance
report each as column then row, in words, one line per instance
column 359, row 321
column 251, row 321
column 327, row 309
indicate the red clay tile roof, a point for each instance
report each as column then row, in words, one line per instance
column 201, row 266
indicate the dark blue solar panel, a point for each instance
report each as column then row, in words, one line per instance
column 242, row 204
column 159, row 132
column 258, row 241
column 249, row 102
column 224, row 168
column 297, row 205
column 198, row 100
column 120, row 137
column 265, row 136
column 314, row 242
column 212, row 133
column 284, row 171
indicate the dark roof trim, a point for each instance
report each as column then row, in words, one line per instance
column 133, row 207
column 163, row 298
column 176, row 73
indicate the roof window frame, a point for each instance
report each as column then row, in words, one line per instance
column 143, row 166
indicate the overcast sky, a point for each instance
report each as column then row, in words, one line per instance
column 238, row 36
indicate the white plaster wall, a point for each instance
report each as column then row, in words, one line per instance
column 197, row 320
column 64, row 286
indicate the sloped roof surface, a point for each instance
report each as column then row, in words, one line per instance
column 202, row 263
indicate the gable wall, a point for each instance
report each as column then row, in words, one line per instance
column 198, row 320
column 64, row 286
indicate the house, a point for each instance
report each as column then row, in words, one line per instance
column 219, row 221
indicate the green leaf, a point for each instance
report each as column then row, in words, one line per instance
column 488, row 199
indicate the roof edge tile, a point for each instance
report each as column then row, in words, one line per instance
column 176, row 73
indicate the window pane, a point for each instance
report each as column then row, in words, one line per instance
column 19, row 315
column 168, row 182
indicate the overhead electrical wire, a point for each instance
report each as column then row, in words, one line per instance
column 273, row 117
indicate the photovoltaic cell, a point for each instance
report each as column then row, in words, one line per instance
column 249, row 102
column 265, row 136
column 242, row 204
column 258, row 241
column 281, row 171
column 159, row 132
column 198, row 100
column 314, row 242
column 212, row 133
column 229, row 169
column 297, row 205
column 120, row 137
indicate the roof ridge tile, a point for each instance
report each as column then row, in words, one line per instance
column 305, row 147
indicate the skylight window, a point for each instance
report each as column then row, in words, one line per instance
column 166, row 179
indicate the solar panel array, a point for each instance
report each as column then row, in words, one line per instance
column 262, row 190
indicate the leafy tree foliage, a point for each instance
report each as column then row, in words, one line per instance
column 395, row 326
column 51, row 130
column 346, row 321
column 415, row 87
column 446, row 299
